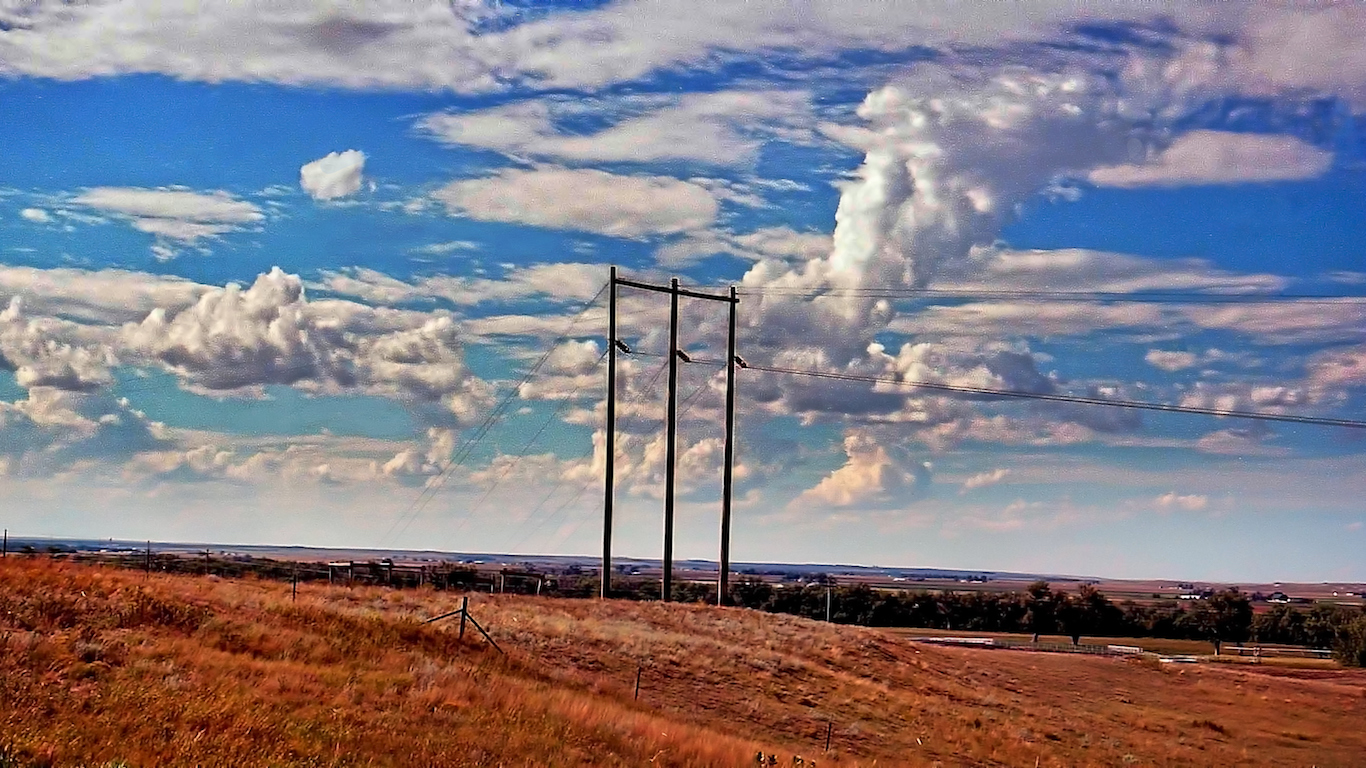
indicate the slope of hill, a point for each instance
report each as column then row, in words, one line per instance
column 101, row 665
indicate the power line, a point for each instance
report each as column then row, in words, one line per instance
column 640, row 396
column 1061, row 398
column 564, row 403
column 434, row 485
column 1060, row 296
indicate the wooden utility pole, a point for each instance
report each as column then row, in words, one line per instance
column 609, row 490
column 827, row 604
column 148, row 561
column 675, row 354
column 670, row 448
column 4, row 552
column 723, row 575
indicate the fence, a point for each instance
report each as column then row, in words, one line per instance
column 1261, row 652
column 1016, row 645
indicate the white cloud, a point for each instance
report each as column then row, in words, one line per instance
column 438, row 45
column 337, row 174
column 105, row 296
column 35, row 350
column 565, row 281
column 36, row 215
column 587, row 200
column 724, row 128
column 1216, row 157
column 1331, row 371
column 869, row 474
column 1170, row 360
column 270, row 333
column 449, row 246
column 173, row 214
column 173, row 204
column 1188, row 503
column 52, row 430
column 984, row 479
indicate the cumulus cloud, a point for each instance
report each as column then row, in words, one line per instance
column 51, row 430
column 270, row 333
column 34, row 349
column 1174, row 501
column 586, row 200
column 337, row 174
column 36, row 215
column 723, row 128
column 869, row 474
column 1218, row 157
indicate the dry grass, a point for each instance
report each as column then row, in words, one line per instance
column 101, row 665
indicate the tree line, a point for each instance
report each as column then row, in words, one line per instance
column 1224, row 616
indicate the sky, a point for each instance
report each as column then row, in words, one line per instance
column 332, row 274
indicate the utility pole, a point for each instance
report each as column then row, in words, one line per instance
column 671, row 437
column 5, row 551
column 675, row 354
column 609, row 490
column 723, row 577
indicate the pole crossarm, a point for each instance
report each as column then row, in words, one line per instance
column 677, row 290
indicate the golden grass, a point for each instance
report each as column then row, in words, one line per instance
column 101, row 665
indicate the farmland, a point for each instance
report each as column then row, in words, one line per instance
column 104, row 665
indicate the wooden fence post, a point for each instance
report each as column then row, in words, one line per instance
column 464, row 613
column 639, row 667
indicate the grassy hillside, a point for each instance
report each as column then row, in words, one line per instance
column 101, row 665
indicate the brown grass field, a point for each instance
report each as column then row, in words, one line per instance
column 101, row 665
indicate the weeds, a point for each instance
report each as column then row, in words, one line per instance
column 99, row 666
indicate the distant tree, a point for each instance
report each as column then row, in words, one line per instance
column 751, row 593
column 1350, row 648
column 1073, row 616
column 1040, row 609
column 1223, row 617
column 1321, row 624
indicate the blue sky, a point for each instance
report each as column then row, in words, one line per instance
column 268, row 274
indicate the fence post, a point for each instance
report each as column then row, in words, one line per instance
column 829, row 726
column 294, row 583
column 464, row 612
column 639, row 667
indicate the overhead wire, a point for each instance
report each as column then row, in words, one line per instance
column 507, row 470
column 433, row 485
column 1155, row 297
column 684, row 407
column 639, row 397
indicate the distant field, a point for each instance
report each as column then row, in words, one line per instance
column 101, row 665
column 1150, row 644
